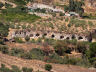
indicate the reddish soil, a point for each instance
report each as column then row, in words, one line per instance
column 26, row 46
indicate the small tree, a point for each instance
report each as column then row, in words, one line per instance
column 27, row 38
column 48, row 67
column 60, row 47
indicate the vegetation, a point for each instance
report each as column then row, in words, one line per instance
column 62, row 48
column 4, row 49
column 18, row 40
column 1, row 5
column 89, row 16
column 14, row 68
column 75, row 6
column 48, row 67
column 27, row 38
column 17, row 14
column 4, row 28
column 25, row 69
column 78, row 23
column 91, row 53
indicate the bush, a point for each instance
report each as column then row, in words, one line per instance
column 81, row 47
column 26, row 56
column 37, row 54
column 60, row 47
column 4, row 29
column 66, row 20
column 33, row 41
column 15, row 69
column 27, row 38
column 16, row 52
column 4, row 69
column 49, row 41
column 7, row 5
column 18, row 40
column 54, row 58
column 92, row 50
column 48, row 67
column 4, row 49
column 1, row 4
column 25, row 69
column 1, row 41
column 39, row 40
column 62, row 14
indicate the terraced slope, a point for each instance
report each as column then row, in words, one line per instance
column 39, row 65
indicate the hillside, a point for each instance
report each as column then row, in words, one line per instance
column 48, row 35
column 39, row 65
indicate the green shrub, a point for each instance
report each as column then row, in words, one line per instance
column 15, row 69
column 20, row 2
column 69, row 25
column 62, row 14
column 27, row 38
column 92, row 49
column 25, row 69
column 4, row 69
column 66, row 20
column 37, row 54
column 1, row 5
column 4, row 49
column 1, row 41
column 24, row 27
column 16, row 52
column 2, row 65
column 81, row 47
column 33, row 40
column 49, row 41
column 54, row 58
column 18, row 40
column 7, row 5
column 26, row 55
column 4, row 29
column 90, row 23
column 73, row 61
column 39, row 40
column 48, row 67
column 60, row 47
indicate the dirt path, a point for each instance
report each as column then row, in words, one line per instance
column 39, row 65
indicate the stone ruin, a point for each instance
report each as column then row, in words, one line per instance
column 47, row 34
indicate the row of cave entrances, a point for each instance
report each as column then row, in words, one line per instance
column 61, row 37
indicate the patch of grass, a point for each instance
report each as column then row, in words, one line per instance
column 78, row 23
column 19, row 17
